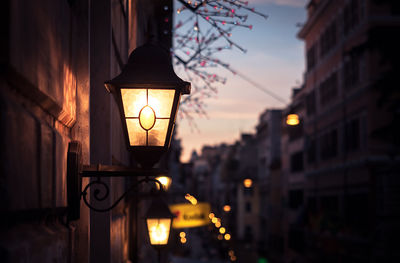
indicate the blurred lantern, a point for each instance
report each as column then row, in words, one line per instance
column 222, row 230
column 227, row 208
column 247, row 182
column 214, row 220
column 211, row 215
column 218, row 224
column 183, row 240
column 165, row 181
column 182, row 234
column 227, row 236
column 148, row 93
column 220, row 237
column 292, row 119
column 158, row 221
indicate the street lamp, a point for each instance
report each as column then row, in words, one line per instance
column 292, row 119
column 227, row 208
column 247, row 182
column 158, row 221
column 147, row 93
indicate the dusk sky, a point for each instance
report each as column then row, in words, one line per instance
column 274, row 59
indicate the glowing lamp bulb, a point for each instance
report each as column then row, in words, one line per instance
column 147, row 118
column 247, row 183
column 292, row 119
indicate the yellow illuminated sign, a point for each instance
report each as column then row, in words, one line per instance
column 188, row 215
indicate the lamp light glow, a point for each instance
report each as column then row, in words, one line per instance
column 222, row 230
column 227, row 208
column 227, row 236
column 292, row 119
column 247, row 182
column 165, row 181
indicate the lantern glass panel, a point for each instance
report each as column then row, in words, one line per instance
column 137, row 136
column 159, row 229
column 147, row 114
column 158, row 134
column 161, row 101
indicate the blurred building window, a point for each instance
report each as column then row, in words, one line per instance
column 311, row 57
column 310, row 103
column 311, row 151
column 352, row 135
column 296, row 198
column 328, row 39
column 248, row 232
column 351, row 72
column 356, row 208
column 248, row 207
column 328, row 144
column 350, row 16
column 296, row 239
column 295, row 131
column 248, row 191
column 296, row 162
column 328, row 89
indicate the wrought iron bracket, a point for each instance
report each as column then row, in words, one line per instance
column 76, row 170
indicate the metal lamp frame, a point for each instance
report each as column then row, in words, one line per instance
column 76, row 171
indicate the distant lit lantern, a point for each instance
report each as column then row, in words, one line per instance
column 222, row 230
column 292, row 119
column 220, row 237
column 247, row 183
column 214, row 220
column 218, row 224
column 165, row 181
column 211, row 215
column 183, row 240
column 233, row 258
column 227, row 208
column 227, row 236
column 182, row 234
column 148, row 93
column 158, row 221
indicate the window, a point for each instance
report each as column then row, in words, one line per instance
column 356, row 207
column 296, row 162
column 311, row 57
column 351, row 72
column 328, row 39
column 310, row 103
column 311, row 151
column 248, row 207
column 296, row 239
column 328, row 89
column 295, row 198
column 248, row 232
column 329, row 144
column 248, row 191
column 350, row 16
column 296, row 131
column 352, row 135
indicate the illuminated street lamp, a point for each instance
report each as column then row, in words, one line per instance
column 292, row 119
column 148, row 93
column 165, row 181
column 227, row 208
column 158, row 221
column 247, row 182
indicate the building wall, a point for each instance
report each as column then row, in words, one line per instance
column 54, row 61
column 340, row 118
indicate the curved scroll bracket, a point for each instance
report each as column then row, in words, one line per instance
column 75, row 172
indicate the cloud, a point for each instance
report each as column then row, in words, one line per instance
column 293, row 3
